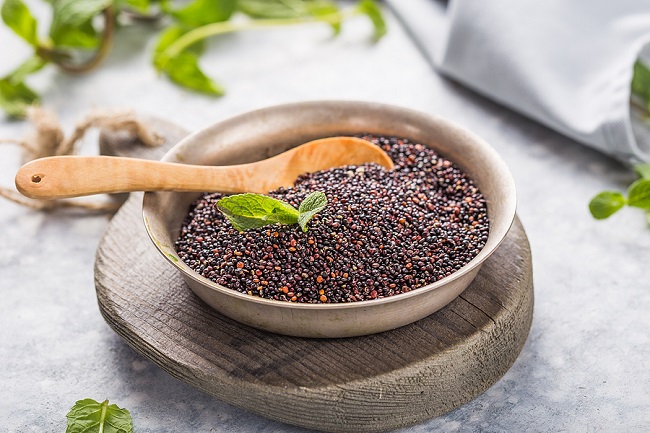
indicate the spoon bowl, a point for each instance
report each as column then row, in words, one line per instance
column 74, row 176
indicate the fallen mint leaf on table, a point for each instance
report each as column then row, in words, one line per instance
column 250, row 211
column 329, row 11
column 266, row 14
column 183, row 69
column 643, row 171
column 90, row 416
column 78, row 43
column 284, row 8
column 72, row 23
column 15, row 97
column 638, row 195
column 141, row 6
column 606, row 204
column 202, row 12
column 18, row 17
column 373, row 12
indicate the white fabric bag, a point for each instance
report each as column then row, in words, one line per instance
column 565, row 63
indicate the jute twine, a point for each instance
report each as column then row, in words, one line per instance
column 48, row 139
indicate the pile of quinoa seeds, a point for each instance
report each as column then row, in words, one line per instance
column 382, row 232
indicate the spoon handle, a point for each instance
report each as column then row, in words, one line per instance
column 75, row 176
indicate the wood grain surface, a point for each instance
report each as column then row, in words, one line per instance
column 364, row 384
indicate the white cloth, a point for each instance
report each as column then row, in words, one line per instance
column 565, row 63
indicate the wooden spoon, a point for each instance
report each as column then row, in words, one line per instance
column 74, row 176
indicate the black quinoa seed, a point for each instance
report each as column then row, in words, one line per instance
column 382, row 233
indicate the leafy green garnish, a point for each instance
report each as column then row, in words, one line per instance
column 15, row 95
column 250, row 211
column 77, row 44
column 606, row 203
column 202, row 12
column 641, row 82
column 90, row 416
column 184, row 68
column 268, row 14
column 370, row 8
column 328, row 11
column 141, row 6
column 310, row 206
column 18, row 17
column 638, row 194
column 274, row 9
column 72, row 22
column 643, row 171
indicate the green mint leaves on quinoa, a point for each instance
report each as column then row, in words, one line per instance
column 90, row 416
column 310, row 206
column 250, row 211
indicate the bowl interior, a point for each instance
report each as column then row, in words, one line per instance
column 260, row 134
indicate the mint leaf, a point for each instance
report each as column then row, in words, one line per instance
column 141, row 6
column 638, row 194
column 273, row 8
column 18, row 17
column 310, row 206
column 168, row 37
column 16, row 97
column 29, row 66
column 643, row 170
column 83, row 36
column 249, row 211
column 641, row 81
column 322, row 9
column 89, row 416
column 72, row 22
column 202, row 12
column 372, row 11
column 278, row 9
column 606, row 204
column 184, row 68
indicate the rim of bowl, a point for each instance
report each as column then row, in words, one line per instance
column 495, row 159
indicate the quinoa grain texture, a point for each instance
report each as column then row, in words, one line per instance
column 382, row 232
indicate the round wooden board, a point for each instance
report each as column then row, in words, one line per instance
column 364, row 384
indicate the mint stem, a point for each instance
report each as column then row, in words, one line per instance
column 99, row 55
column 102, row 416
column 220, row 28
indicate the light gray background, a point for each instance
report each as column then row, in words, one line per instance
column 585, row 367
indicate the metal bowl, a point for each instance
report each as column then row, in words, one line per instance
column 267, row 132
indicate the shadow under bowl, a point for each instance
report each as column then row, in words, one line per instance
column 263, row 133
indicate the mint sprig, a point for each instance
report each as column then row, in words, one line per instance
column 250, row 211
column 81, row 34
column 607, row 203
column 90, row 416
